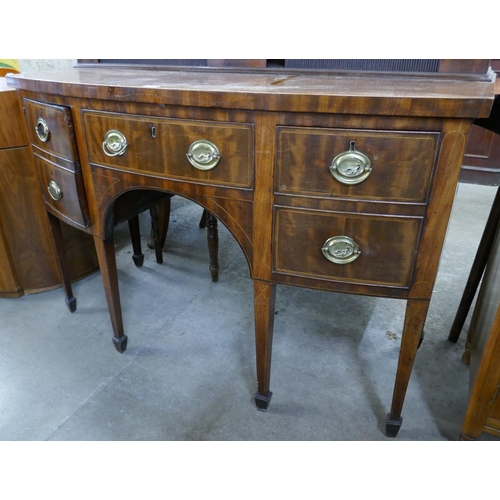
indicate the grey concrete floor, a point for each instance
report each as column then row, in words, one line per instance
column 189, row 371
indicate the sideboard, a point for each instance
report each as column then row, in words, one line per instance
column 335, row 181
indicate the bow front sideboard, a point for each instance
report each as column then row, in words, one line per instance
column 333, row 181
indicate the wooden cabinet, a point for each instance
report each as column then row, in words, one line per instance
column 334, row 181
column 29, row 262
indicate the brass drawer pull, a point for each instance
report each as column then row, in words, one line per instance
column 42, row 130
column 54, row 191
column 115, row 143
column 341, row 249
column 351, row 167
column 203, row 155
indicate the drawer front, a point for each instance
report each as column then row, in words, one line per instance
column 160, row 146
column 72, row 203
column 401, row 163
column 387, row 246
column 50, row 128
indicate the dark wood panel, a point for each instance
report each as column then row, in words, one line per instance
column 72, row 205
column 387, row 246
column 13, row 133
column 61, row 140
column 165, row 153
column 401, row 163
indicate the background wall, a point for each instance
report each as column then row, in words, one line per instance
column 28, row 65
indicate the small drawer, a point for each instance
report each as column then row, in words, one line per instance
column 50, row 128
column 63, row 191
column 221, row 152
column 343, row 247
column 370, row 165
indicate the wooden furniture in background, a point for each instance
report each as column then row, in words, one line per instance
column 328, row 180
column 483, row 410
column 29, row 262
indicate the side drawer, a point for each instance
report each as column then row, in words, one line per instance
column 401, row 163
column 50, row 128
column 387, row 246
column 159, row 146
column 71, row 202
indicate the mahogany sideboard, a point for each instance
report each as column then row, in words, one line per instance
column 29, row 260
column 334, row 181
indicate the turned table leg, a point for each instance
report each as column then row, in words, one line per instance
column 55, row 227
column 416, row 313
column 264, row 301
column 107, row 262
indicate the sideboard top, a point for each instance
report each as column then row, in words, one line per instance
column 377, row 94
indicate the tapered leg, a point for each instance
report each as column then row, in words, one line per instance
column 107, row 262
column 135, row 236
column 264, row 303
column 163, row 221
column 55, row 226
column 213, row 245
column 155, row 228
column 416, row 313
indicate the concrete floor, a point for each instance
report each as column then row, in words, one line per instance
column 189, row 371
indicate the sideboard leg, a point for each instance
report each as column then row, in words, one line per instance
column 107, row 262
column 416, row 313
column 213, row 245
column 55, row 227
column 264, row 301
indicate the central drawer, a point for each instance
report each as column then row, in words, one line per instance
column 160, row 146
column 386, row 246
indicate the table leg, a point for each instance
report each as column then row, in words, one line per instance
column 107, row 262
column 264, row 301
column 55, row 227
column 416, row 313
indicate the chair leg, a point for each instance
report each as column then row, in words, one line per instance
column 203, row 220
column 55, row 226
column 135, row 236
column 477, row 270
column 213, row 245
column 163, row 209
column 155, row 229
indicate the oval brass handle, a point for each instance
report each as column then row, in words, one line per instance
column 351, row 167
column 54, row 191
column 115, row 143
column 203, row 155
column 341, row 249
column 42, row 130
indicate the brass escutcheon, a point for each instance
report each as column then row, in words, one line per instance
column 42, row 130
column 351, row 167
column 341, row 249
column 115, row 143
column 54, row 191
column 203, row 155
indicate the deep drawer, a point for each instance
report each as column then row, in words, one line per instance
column 160, row 146
column 401, row 163
column 71, row 203
column 387, row 246
column 50, row 128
